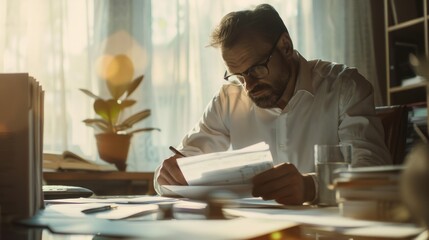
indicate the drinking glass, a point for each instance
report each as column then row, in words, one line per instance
column 329, row 158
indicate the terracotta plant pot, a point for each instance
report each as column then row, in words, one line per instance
column 113, row 148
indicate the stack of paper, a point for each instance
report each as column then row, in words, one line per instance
column 370, row 193
column 231, row 171
column 21, row 135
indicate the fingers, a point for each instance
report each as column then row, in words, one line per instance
column 283, row 183
column 170, row 173
column 276, row 172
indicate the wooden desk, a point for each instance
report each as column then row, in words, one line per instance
column 105, row 183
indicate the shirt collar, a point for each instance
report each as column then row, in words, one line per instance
column 304, row 81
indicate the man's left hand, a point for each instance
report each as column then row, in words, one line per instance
column 284, row 184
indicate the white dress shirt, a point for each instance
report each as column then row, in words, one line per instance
column 332, row 104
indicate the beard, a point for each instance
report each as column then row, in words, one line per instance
column 270, row 97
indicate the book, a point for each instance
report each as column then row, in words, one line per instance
column 370, row 193
column 70, row 161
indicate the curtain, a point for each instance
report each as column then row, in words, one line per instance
column 49, row 40
column 60, row 42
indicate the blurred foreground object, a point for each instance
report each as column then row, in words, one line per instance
column 414, row 189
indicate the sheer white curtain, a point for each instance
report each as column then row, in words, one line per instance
column 49, row 40
column 59, row 42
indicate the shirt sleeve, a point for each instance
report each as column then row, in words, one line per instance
column 359, row 124
column 211, row 133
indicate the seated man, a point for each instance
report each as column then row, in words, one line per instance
column 275, row 95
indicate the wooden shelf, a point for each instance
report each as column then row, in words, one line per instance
column 406, row 88
column 406, row 24
column 410, row 35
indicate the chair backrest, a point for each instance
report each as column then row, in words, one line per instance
column 395, row 122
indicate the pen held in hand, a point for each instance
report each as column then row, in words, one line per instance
column 99, row 209
column 175, row 151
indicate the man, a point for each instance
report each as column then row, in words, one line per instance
column 275, row 95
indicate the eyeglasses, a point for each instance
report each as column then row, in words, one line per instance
column 256, row 71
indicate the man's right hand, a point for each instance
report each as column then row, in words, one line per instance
column 170, row 173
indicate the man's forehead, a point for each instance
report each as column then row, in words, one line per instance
column 244, row 52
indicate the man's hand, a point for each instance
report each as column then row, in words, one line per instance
column 285, row 184
column 170, row 173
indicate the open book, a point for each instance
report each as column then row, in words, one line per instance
column 229, row 170
column 69, row 161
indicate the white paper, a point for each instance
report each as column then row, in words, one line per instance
column 226, row 168
column 121, row 211
column 239, row 228
column 132, row 200
column 390, row 231
column 201, row 192
column 314, row 216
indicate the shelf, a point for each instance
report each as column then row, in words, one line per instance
column 406, row 31
column 406, row 24
column 406, row 88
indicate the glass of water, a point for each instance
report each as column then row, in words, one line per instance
column 329, row 158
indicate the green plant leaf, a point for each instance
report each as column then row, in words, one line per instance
column 116, row 91
column 144, row 130
column 127, row 103
column 114, row 108
column 99, row 124
column 133, row 86
column 89, row 93
column 101, row 107
column 130, row 121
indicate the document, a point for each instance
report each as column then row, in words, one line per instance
column 229, row 170
column 226, row 168
column 199, row 192
column 120, row 211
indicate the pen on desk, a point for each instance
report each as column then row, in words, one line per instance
column 176, row 151
column 99, row 209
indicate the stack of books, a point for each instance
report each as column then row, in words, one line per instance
column 70, row 161
column 371, row 193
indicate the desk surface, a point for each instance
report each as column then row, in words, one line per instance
column 300, row 232
column 108, row 183
column 191, row 219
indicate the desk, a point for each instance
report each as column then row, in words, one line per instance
column 301, row 232
column 105, row 183
column 190, row 222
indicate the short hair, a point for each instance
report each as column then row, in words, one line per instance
column 264, row 22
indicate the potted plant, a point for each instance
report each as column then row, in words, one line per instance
column 112, row 135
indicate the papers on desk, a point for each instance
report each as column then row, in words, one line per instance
column 251, row 222
column 329, row 219
column 121, row 211
column 199, row 192
column 69, row 219
column 124, row 200
column 229, row 170
column 240, row 228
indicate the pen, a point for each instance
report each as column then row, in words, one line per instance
column 99, row 209
column 176, row 151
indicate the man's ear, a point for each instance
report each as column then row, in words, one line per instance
column 286, row 45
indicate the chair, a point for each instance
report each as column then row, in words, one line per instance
column 395, row 122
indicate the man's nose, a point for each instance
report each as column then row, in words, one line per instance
column 249, row 82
